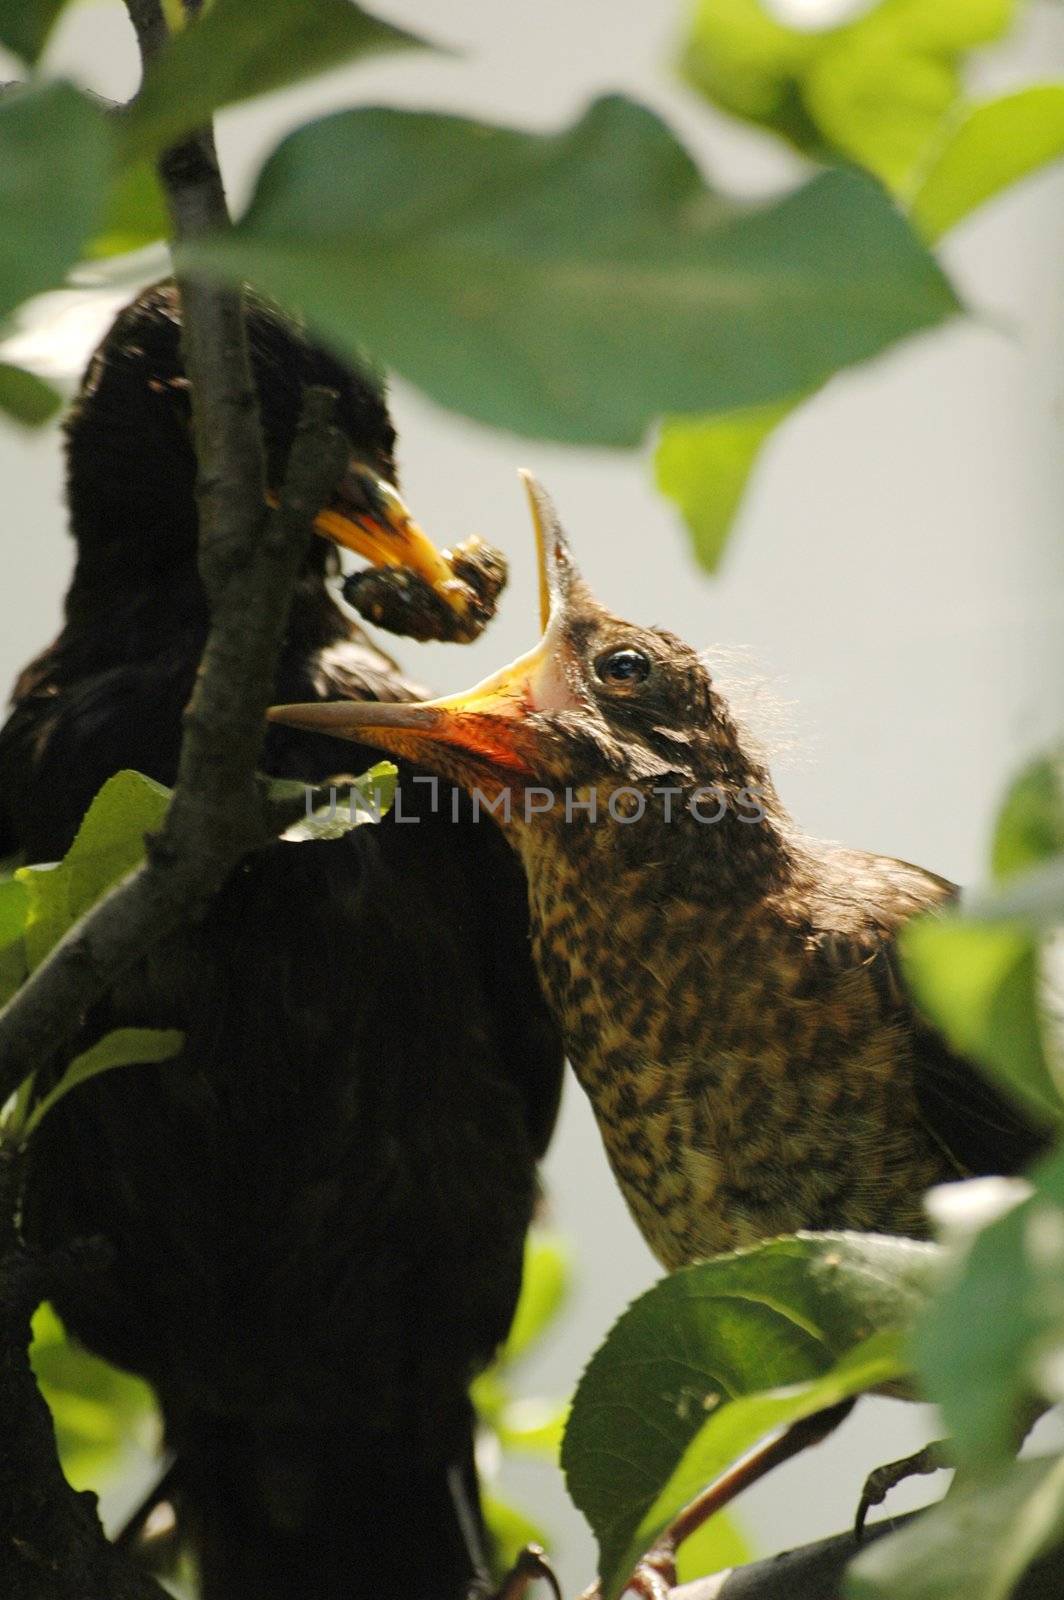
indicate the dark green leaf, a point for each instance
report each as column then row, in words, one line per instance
column 26, row 397
column 991, row 1343
column 124, row 1047
column 977, row 1543
column 876, row 88
column 990, row 147
column 703, row 463
column 979, row 982
column 109, row 843
column 54, row 165
column 1030, row 825
column 26, row 24
column 241, row 48
column 718, row 1355
column 577, row 285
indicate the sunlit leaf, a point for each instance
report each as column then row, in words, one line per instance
column 510, row 1531
column 108, row 844
column 544, row 1286
column 977, row 1543
column 54, row 165
column 876, row 88
column 702, row 463
column 1030, row 825
column 990, row 147
column 991, row 1343
column 97, row 1410
column 123, row 1047
column 26, row 24
column 241, row 48
column 576, row 285
column 720, row 1354
column 980, row 982
column 717, row 1545
column 14, row 910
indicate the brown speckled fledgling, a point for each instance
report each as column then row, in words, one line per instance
column 727, row 987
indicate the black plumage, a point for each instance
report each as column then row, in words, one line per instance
column 318, row 1208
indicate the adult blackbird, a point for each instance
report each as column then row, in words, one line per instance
column 727, row 987
column 317, row 1210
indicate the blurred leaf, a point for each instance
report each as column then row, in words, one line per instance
column 1030, row 825
column 720, row 1354
column 97, row 1409
column 26, row 24
column 14, row 909
column 241, row 48
column 875, row 88
column 702, row 463
column 578, row 285
column 124, row 1047
column 990, row 147
column 54, row 159
column 1034, row 897
column 980, row 984
column 976, row 1543
column 532, row 1428
column 108, row 844
column 544, row 1287
column 25, row 397
column 717, row 1545
column 510, row 1531
column 135, row 213
column 992, row 1341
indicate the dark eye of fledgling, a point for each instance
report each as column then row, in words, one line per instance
column 623, row 667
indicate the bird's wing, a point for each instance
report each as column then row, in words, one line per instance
column 981, row 1130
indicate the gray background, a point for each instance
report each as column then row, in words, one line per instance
column 893, row 595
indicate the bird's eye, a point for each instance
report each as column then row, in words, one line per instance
column 623, row 667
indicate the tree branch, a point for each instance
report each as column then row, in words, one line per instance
column 249, row 559
column 815, row 1572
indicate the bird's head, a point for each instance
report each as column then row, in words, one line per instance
column 131, row 470
column 598, row 704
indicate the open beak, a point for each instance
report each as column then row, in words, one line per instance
column 484, row 730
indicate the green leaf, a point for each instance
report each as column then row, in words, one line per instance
column 354, row 801
column 992, row 146
column 135, row 213
column 25, row 397
column 55, row 151
column 1030, row 825
column 544, row 1288
column 718, row 1355
column 577, row 285
column 718, row 1545
column 124, row 1047
column 703, row 463
column 876, row 89
column 979, row 983
column 14, row 909
column 26, row 24
column 97, row 1410
column 108, row 844
column 240, row 48
column 991, row 1343
column 977, row 1543
column 510, row 1532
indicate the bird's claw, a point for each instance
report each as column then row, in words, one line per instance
column 932, row 1458
column 532, row 1565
